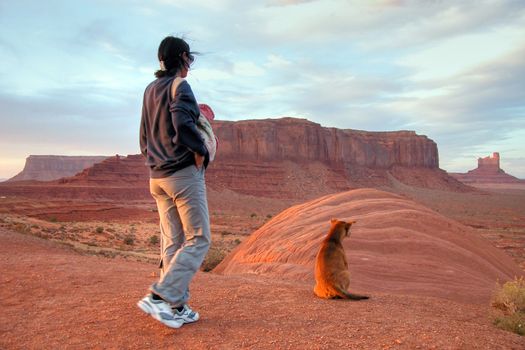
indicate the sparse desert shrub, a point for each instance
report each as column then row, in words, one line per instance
column 253, row 215
column 214, row 257
column 52, row 218
column 129, row 240
column 269, row 216
column 42, row 235
column 513, row 323
column 21, row 227
column 509, row 301
column 226, row 233
column 108, row 254
column 111, row 230
column 99, row 229
column 237, row 241
column 153, row 240
column 49, row 230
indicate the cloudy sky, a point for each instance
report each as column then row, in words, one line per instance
column 72, row 73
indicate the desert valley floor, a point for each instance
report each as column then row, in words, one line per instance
column 72, row 271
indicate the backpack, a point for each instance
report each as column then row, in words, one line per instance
column 203, row 123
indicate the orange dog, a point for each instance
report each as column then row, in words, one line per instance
column 331, row 268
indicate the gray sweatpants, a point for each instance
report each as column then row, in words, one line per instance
column 185, row 231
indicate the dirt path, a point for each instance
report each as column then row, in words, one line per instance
column 52, row 297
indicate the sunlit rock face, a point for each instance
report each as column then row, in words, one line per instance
column 296, row 158
column 303, row 141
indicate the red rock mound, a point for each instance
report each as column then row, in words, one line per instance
column 396, row 246
column 278, row 179
column 124, row 171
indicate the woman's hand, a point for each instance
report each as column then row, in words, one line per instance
column 199, row 161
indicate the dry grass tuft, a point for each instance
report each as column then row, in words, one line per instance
column 213, row 258
column 509, row 301
column 154, row 240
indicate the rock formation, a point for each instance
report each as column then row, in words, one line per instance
column 296, row 158
column 293, row 159
column 46, row 168
column 119, row 171
column 302, row 141
column 396, row 246
column 488, row 171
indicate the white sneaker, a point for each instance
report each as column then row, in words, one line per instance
column 160, row 310
column 186, row 315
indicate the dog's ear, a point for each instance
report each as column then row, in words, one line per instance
column 333, row 221
column 348, row 224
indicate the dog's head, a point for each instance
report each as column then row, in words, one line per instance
column 342, row 227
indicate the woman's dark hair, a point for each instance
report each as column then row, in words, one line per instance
column 170, row 52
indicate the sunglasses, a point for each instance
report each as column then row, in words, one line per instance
column 190, row 56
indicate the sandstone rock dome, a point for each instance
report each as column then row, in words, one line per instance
column 396, row 246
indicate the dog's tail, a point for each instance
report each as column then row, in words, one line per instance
column 346, row 295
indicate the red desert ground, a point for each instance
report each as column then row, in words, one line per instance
column 80, row 240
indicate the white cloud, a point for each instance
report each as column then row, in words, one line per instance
column 247, row 69
column 425, row 23
column 277, row 61
column 209, row 74
column 516, row 166
column 453, row 56
column 287, row 2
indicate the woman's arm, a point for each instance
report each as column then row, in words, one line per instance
column 184, row 113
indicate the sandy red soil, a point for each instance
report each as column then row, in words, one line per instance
column 53, row 297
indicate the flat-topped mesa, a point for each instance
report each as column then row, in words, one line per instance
column 52, row 167
column 301, row 141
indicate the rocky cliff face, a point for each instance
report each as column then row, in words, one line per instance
column 302, row 141
column 46, row 168
column 293, row 159
column 296, row 158
column 488, row 171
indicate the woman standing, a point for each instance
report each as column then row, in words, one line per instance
column 177, row 157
